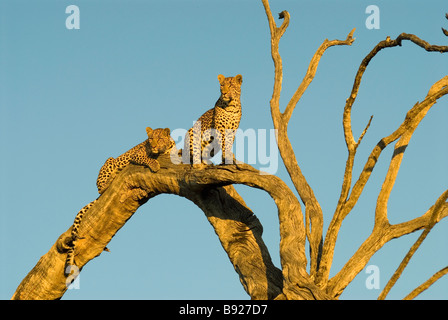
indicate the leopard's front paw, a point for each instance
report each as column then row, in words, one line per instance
column 154, row 165
column 199, row 166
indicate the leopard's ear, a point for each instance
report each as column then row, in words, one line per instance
column 239, row 79
column 221, row 78
column 167, row 131
column 148, row 131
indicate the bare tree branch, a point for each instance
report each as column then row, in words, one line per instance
column 427, row 284
column 404, row 228
column 223, row 207
column 210, row 189
column 382, row 229
column 388, row 43
column 378, row 238
column 346, row 202
column 433, row 220
column 445, row 32
column 313, row 210
column 240, row 234
column 311, row 72
column 351, row 144
column 297, row 283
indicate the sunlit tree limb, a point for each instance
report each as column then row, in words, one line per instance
column 427, row 284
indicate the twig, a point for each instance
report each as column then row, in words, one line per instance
column 364, row 132
column 445, row 32
column 312, row 68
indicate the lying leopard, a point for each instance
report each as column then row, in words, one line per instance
column 159, row 142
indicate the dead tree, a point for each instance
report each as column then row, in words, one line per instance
column 238, row 229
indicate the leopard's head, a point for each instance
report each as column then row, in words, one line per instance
column 160, row 140
column 230, row 87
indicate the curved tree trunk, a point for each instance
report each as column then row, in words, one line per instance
column 238, row 229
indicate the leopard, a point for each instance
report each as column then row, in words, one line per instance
column 159, row 142
column 215, row 130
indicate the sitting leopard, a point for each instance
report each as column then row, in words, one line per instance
column 159, row 142
column 215, row 129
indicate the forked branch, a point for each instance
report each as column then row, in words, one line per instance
column 313, row 210
column 427, row 283
column 348, row 200
column 383, row 231
column 435, row 217
column 211, row 190
column 347, row 124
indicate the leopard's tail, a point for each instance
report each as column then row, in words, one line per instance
column 70, row 260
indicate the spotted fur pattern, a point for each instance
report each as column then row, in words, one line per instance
column 215, row 129
column 159, row 142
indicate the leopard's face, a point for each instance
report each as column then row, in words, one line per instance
column 160, row 140
column 230, row 87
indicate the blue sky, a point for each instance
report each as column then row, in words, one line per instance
column 69, row 99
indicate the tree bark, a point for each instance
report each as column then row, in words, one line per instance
column 238, row 229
